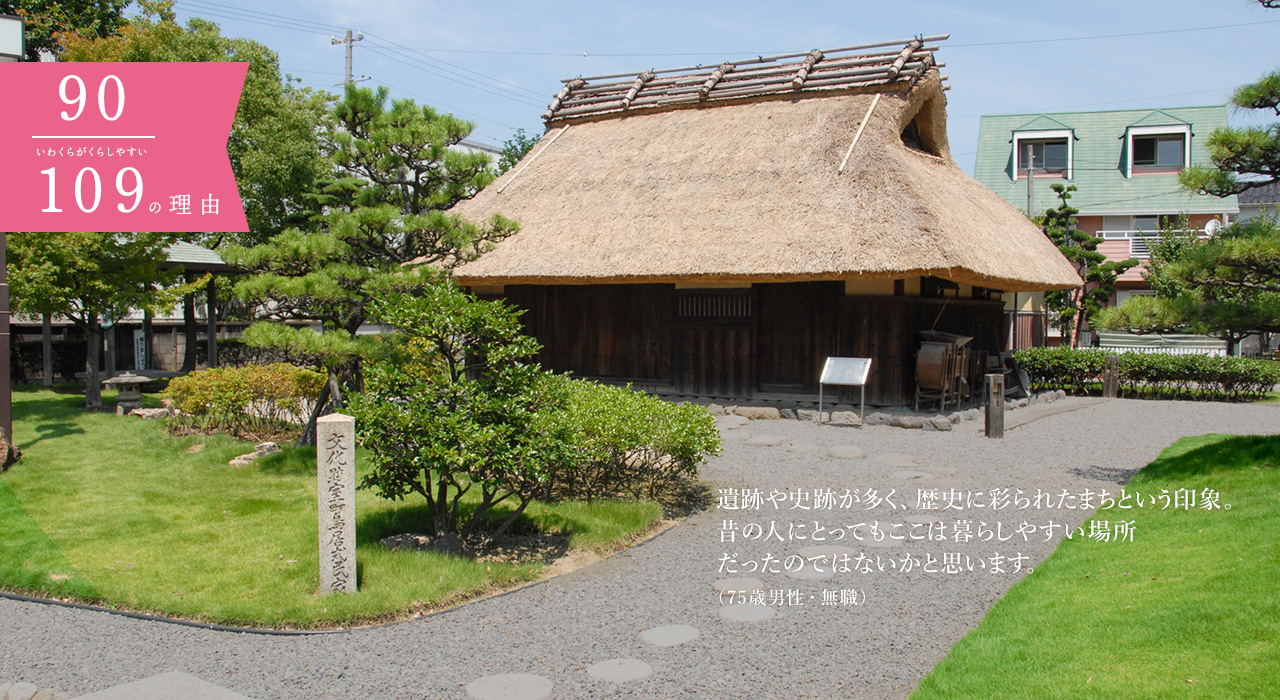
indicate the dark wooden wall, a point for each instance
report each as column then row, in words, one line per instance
column 770, row 338
column 620, row 332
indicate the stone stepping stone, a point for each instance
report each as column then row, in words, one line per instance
column 804, row 449
column 174, row 684
column 812, row 571
column 731, row 422
column 746, row 613
column 846, row 452
column 738, row 584
column 765, row 440
column 897, row 459
column 923, row 519
column 670, row 635
column 826, row 550
column 909, row 474
column 510, row 686
column 735, row 434
column 936, row 470
column 620, row 670
column 940, row 482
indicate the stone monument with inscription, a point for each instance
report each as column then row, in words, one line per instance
column 336, row 480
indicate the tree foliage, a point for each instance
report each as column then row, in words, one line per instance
column 273, row 146
column 383, row 229
column 515, row 148
column 92, row 279
column 46, row 20
column 1242, row 158
column 1227, row 286
column 462, row 408
column 1097, row 273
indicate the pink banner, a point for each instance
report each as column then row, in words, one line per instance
column 118, row 147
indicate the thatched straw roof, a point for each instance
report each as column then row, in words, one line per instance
column 750, row 188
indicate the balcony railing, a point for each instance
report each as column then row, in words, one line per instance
column 1139, row 241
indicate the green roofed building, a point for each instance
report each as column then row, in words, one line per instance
column 1124, row 164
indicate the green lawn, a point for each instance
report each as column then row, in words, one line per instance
column 1190, row 609
column 115, row 511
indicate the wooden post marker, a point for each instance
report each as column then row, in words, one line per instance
column 336, row 487
column 995, row 405
column 1111, row 377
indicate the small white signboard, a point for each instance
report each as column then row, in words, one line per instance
column 845, row 371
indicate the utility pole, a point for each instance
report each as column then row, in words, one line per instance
column 1031, row 179
column 349, row 40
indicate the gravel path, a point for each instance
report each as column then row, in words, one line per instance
column 558, row 629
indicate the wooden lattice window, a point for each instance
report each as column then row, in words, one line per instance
column 714, row 306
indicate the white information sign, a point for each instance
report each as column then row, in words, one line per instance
column 845, row 371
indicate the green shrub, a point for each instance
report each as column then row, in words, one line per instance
column 461, row 407
column 1152, row 375
column 630, row 443
column 257, row 401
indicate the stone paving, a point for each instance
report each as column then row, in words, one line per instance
column 663, row 620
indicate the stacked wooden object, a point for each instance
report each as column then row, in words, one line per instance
column 942, row 369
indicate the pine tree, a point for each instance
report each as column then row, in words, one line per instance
column 1097, row 273
column 384, row 228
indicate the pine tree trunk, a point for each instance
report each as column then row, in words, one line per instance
column 308, row 436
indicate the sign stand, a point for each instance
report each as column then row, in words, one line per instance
column 845, row 371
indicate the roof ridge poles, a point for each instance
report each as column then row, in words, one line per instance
column 813, row 57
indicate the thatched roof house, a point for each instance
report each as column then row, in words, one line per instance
column 827, row 167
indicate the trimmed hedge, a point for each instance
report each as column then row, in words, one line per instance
column 233, row 352
column 256, row 401
column 26, row 359
column 1152, row 375
column 630, row 444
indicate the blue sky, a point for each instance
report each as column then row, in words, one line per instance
column 497, row 64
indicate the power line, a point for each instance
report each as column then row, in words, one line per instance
column 418, row 65
column 1127, row 35
column 455, row 110
column 309, row 27
column 317, row 27
column 384, row 40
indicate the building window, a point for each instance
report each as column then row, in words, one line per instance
column 1045, row 156
column 1159, row 151
column 1048, row 151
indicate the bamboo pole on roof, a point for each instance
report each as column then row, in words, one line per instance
column 636, row 88
column 570, row 86
column 865, row 118
column 901, row 60
column 716, row 75
column 798, row 81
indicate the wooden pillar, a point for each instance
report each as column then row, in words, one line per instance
column 111, row 351
column 995, row 406
column 212, row 292
column 46, row 348
column 1111, row 377
column 189, row 327
column 148, row 339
